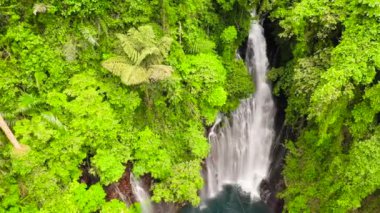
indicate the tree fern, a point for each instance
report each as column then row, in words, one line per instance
column 144, row 54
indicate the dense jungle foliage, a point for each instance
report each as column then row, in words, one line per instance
column 96, row 86
column 333, row 104
column 92, row 86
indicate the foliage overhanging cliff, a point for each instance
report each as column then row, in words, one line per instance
column 332, row 89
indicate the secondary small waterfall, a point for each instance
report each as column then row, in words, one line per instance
column 241, row 144
column 141, row 195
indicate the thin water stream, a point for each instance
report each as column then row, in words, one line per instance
column 141, row 194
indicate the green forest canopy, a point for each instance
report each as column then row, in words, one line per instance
column 69, row 94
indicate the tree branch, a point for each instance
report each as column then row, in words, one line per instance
column 7, row 131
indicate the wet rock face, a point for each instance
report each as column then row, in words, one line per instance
column 122, row 190
column 279, row 53
column 275, row 182
column 268, row 195
column 270, row 187
column 87, row 177
column 165, row 207
column 278, row 49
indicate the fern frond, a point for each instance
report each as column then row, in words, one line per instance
column 8, row 118
column 159, row 72
column 148, row 32
column 143, row 37
column 70, row 50
column 196, row 46
column 153, row 54
column 116, row 65
column 165, row 44
column 103, row 25
column 53, row 120
column 129, row 74
column 89, row 34
column 128, row 47
column 39, row 8
column 134, row 75
column 27, row 102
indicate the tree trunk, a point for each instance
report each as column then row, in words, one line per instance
column 9, row 134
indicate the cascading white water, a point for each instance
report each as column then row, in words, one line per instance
column 141, row 195
column 241, row 146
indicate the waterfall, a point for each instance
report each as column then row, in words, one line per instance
column 241, row 144
column 141, row 195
